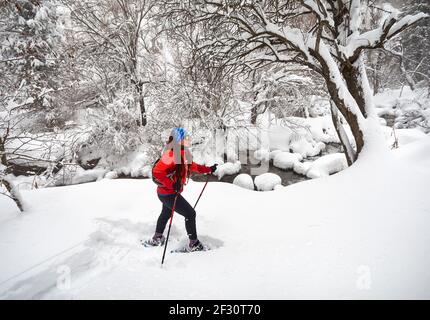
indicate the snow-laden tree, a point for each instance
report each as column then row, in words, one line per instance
column 113, row 127
column 282, row 91
column 118, row 39
column 416, row 44
column 328, row 37
column 29, row 60
column 404, row 59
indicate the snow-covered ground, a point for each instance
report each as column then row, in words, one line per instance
column 361, row 233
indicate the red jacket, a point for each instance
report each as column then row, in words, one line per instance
column 165, row 171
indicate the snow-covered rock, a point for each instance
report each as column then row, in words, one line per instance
column 145, row 171
column 89, row 175
column 245, row 181
column 302, row 167
column 285, row 160
column 278, row 187
column 267, row 181
column 307, row 148
column 273, row 154
column 66, row 174
column 298, row 155
column 327, row 165
column 76, row 175
column 228, row 168
column 135, row 165
column 262, row 154
column 111, row 175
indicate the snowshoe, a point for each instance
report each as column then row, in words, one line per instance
column 153, row 242
column 197, row 246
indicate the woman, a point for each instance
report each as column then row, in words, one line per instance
column 171, row 173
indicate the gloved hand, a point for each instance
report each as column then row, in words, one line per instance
column 177, row 186
column 213, row 168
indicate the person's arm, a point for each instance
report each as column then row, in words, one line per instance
column 195, row 167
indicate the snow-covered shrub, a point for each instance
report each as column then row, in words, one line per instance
column 114, row 128
column 267, row 181
column 410, row 108
column 306, row 136
column 245, row 181
column 319, row 106
column 418, row 117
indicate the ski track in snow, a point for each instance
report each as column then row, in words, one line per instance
column 362, row 233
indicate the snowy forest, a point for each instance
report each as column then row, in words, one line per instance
column 314, row 116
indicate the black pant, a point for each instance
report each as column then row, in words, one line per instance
column 183, row 208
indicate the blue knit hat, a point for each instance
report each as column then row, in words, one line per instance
column 178, row 134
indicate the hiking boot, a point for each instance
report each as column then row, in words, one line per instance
column 157, row 240
column 195, row 245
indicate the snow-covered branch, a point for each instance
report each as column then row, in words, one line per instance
column 377, row 37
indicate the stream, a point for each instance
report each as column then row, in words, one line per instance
column 287, row 176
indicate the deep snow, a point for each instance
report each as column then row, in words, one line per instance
column 361, row 233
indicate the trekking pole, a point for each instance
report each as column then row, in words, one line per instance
column 170, row 225
column 171, row 217
column 204, row 187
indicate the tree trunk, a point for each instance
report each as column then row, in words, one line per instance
column 376, row 72
column 352, row 76
column 254, row 115
column 3, row 159
column 409, row 79
column 343, row 137
column 254, row 109
column 14, row 194
column 143, row 118
column 350, row 118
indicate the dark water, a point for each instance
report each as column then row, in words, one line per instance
column 391, row 119
column 255, row 167
column 288, row 176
